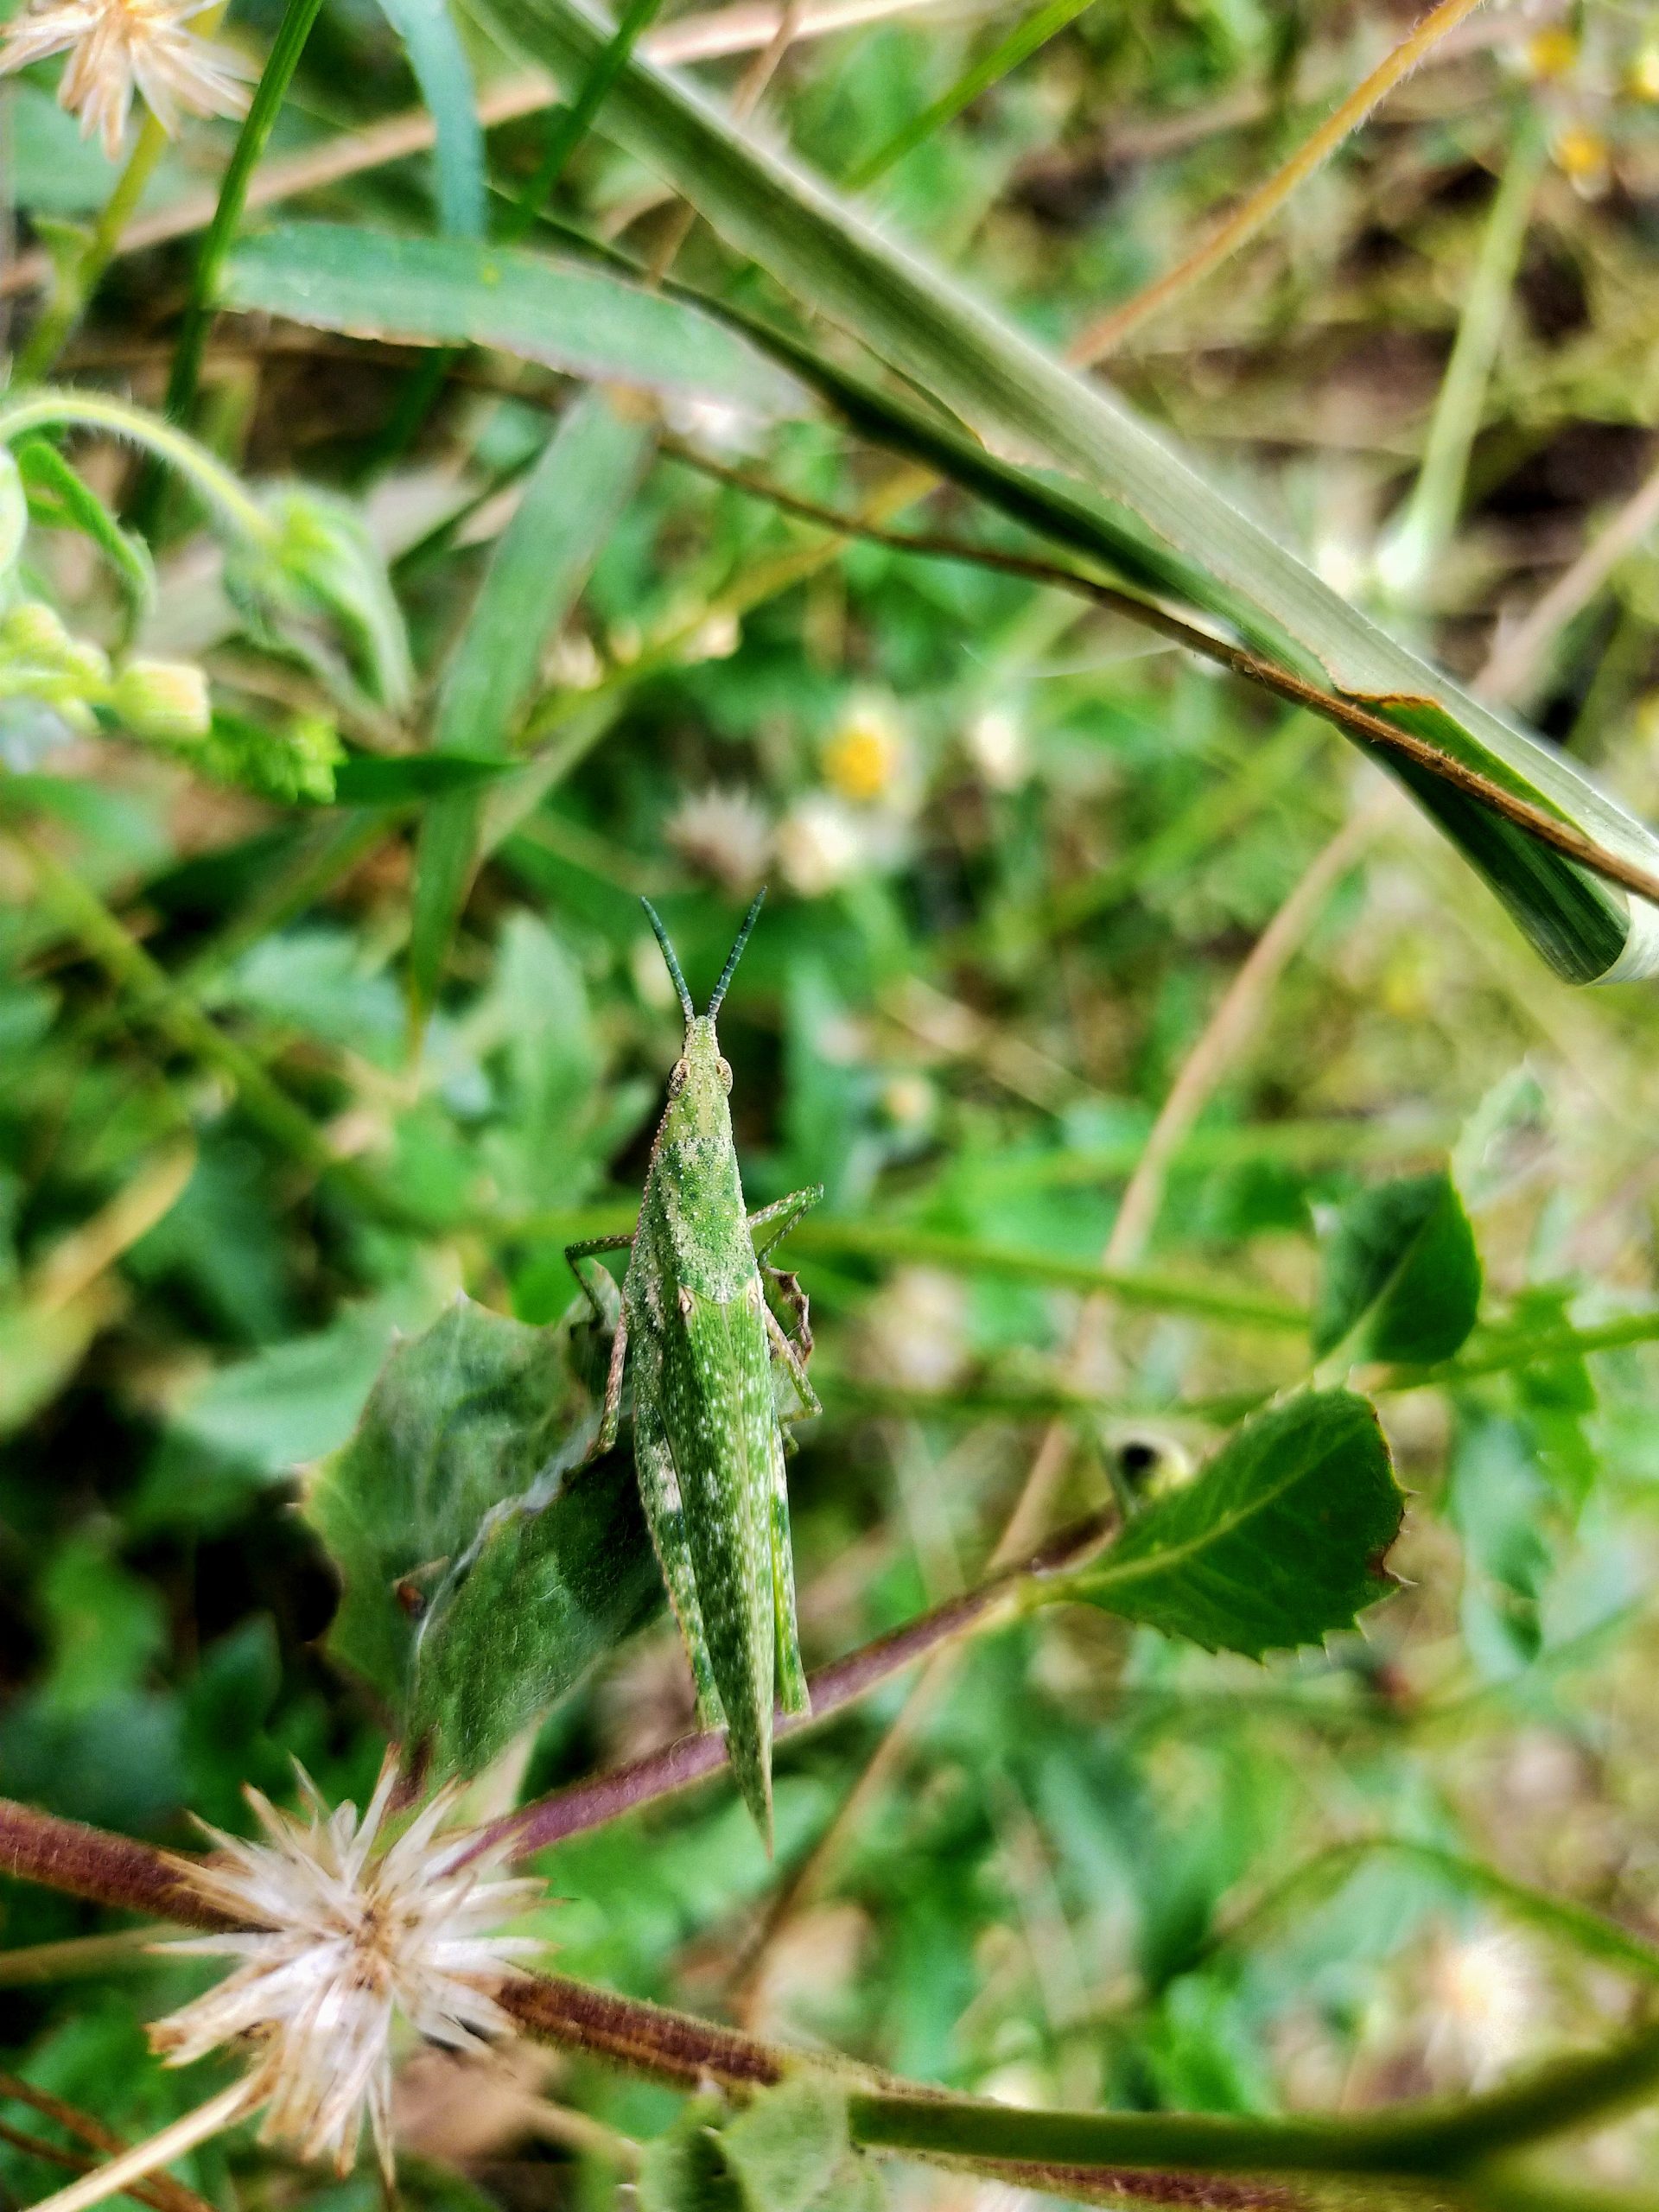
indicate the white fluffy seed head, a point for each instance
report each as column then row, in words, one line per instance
column 347, row 1933
column 115, row 47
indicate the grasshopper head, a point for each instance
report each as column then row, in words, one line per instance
column 701, row 1071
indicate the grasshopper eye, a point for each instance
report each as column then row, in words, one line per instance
column 677, row 1076
column 725, row 1068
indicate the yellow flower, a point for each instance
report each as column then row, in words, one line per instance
column 1643, row 74
column 1581, row 155
column 1552, row 51
column 116, row 46
column 864, row 759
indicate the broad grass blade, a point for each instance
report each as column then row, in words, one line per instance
column 455, row 291
column 439, row 61
column 1028, row 408
column 539, row 564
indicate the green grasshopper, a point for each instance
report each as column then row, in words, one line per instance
column 708, row 1438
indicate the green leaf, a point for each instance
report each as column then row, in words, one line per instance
column 1279, row 1541
column 453, row 291
column 1020, row 401
column 484, row 1568
column 554, row 1579
column 370, row 780
column 439, row 61
column 788, row 2151
column 537, row 567
column 1402, row 1275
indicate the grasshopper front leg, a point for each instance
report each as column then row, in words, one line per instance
column 608, row 1311
column 778, row 1219
column 790, row 1356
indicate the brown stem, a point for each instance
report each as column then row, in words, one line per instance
column 1356, row 721
column 103, row 1868
column 1247, row 220
column 647, row 2039
column 606, row 1797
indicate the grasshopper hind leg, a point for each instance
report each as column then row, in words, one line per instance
column 792, row 1692
column 659, row 1493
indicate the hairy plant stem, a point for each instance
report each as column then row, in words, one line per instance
column 1062, row 2152
column 222, row 491
column 76, row 285
column 1430, row 2141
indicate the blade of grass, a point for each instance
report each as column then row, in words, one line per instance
column 442, row 70
column 537, row 567
column 1007, row 54
column 298, row 16
column 572, row 125
column 580, row 320
column 1412, row 546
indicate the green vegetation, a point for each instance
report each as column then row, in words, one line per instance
column 1137, row 527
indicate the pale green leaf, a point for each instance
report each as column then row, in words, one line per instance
column 45, row 470
column 789, row 2150
column 454, row 292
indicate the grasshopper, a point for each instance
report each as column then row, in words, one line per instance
column 697, row 1336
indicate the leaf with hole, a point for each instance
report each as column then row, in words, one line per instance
column 1279, row 1541
column 478, row 1582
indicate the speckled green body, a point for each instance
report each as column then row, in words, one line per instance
column 699, row 1340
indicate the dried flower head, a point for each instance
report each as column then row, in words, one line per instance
column 347, row 1931
column 821, row 844
column 116, row 46
column 725, row 833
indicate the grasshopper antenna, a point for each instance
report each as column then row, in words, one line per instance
column 655, row 921
column 735, row 954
